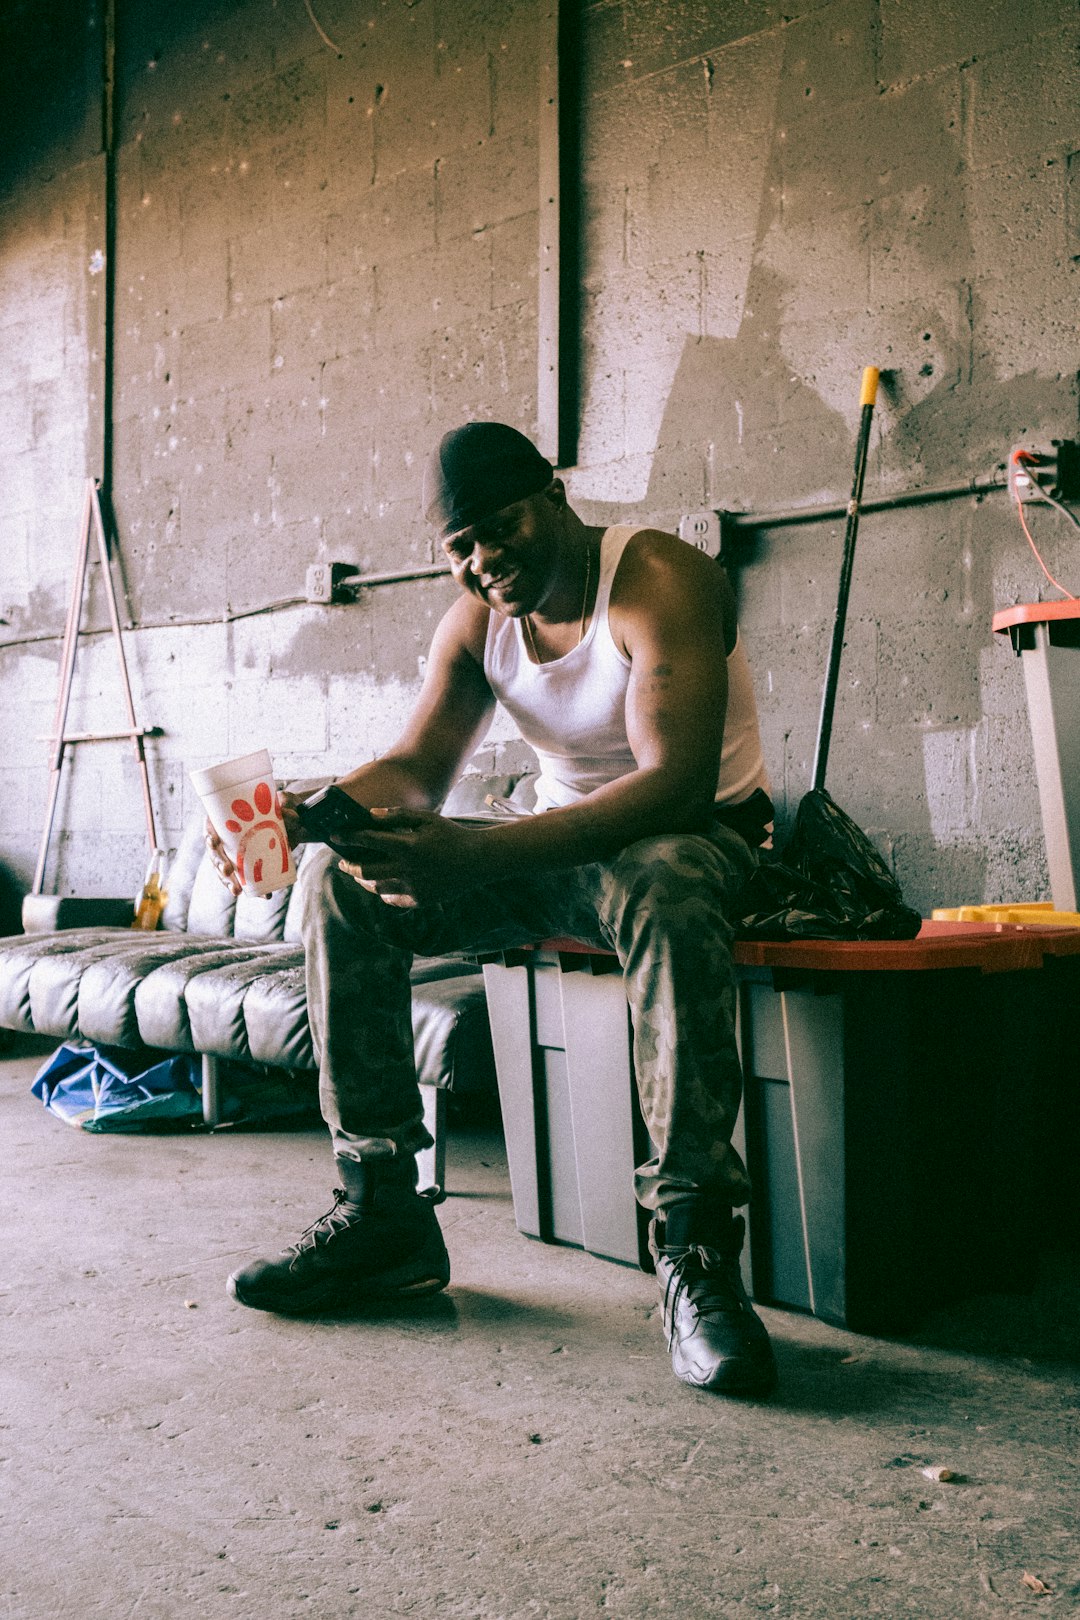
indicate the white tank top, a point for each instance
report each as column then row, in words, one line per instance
column 572, row 711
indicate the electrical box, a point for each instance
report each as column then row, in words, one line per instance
column 1054, row 472
column 701, row 530
column 330, row 581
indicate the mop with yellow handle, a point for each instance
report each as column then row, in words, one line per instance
column 828, row 700
column 829, row 882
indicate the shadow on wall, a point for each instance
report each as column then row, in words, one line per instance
column 754, row 410
column 921, row 604
column 50, row 89
column 910, row 757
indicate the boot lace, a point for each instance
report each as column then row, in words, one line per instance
column 704, row 1277
column 324, row 1228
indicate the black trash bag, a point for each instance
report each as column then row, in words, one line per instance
column 828, row 882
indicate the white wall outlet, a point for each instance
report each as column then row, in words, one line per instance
column 330, row 582
column 701, row 530
column 318, row 583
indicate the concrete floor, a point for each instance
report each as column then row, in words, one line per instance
column 517, row 1447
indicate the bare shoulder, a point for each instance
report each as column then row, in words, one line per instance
column 462, row 631
column 658, row 574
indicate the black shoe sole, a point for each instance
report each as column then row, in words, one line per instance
column 738, row 1380
column 736, row 1375
column 337, row 1293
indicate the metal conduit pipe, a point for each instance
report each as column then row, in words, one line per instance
column 361, row 582
column 738, row 522
column 731, row 523
column 741, row 522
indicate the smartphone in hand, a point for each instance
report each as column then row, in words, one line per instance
column 332, row 817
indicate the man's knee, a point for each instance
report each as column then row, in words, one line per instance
column 680, row 867
column 312, row 881
column 678, row 889
column 330, row 900
column 339, row 914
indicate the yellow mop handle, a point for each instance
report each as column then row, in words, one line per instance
column 828, row 697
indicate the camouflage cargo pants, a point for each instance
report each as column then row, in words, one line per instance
column 660, row 904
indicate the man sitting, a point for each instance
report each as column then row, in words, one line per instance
column 617, row 654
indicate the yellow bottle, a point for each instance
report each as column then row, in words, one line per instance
column 151, row 899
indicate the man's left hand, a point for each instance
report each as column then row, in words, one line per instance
column 415, row 856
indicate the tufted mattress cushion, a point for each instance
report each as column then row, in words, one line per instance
column 275, row 1018
column 115, row 987
column 161, row 1008
column 118, row 987
column 221, row 977
column 20, row 954
column 451, row 1034
column 216, row 1002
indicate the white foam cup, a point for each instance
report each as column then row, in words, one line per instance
column 240, row 798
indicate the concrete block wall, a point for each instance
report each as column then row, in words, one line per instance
column 327, row 256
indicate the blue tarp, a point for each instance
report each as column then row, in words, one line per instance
column 96, row 1089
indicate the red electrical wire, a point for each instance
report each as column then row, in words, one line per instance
column 1017, row 457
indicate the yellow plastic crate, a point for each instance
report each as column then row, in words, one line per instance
column 1037, row 912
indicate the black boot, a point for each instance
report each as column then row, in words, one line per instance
column 716, row 1341
column 380, row 1240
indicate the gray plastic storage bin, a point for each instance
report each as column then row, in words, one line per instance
column 911, row 1116
column 561, row 1031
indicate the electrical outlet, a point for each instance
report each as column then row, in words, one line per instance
column 701, row 530
column 326, row 581
column 1055, row 472
column 317, row 584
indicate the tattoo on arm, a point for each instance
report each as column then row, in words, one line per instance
column 660, row 681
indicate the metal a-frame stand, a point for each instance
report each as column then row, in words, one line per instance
column 62, row 739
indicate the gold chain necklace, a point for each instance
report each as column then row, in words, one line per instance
column 527, row 621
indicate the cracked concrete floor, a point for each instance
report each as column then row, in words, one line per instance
column 516, row 1447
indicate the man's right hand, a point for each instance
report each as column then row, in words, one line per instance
column 223, row 866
